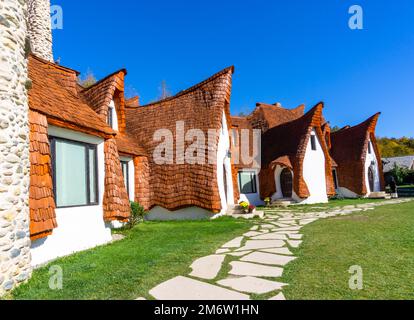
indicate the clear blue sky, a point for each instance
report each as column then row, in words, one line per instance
column 293, row 52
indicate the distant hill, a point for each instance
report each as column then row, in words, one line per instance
column 393, row 147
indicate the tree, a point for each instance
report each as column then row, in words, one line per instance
column 164, row 91
column 88, row 80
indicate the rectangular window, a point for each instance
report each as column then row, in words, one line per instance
column 369, row 148
column 75, row 174
column 125, row 173
column 247, row 182
column 110, row 117
column 313, row 142
column 335, row 177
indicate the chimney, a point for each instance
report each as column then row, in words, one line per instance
column 40, row 29
column 132, row 103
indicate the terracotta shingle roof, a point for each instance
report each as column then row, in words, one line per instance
column 200, row 107
column 54, row 93
column 100, row 95
column 41, row 200
column 267, row 116
column 349, row 150
column 286, row 145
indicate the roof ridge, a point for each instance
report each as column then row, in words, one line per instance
column 192, row 88
column 106, row 78
column 55, row 65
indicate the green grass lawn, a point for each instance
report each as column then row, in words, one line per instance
column 380, row 241
column 152, row 253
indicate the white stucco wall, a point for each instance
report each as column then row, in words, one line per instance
column 313, row 174
column 252, row 198
column 79, row 228
column 224, row 160
column 114, row 115
column 190, row 213
column 371, row 158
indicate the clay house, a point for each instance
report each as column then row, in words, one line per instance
column 77, row 187
column 189, row 174
column 359, row 171
column 295, row 161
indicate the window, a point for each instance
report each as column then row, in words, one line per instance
column 75, row 175
column 125, row 173
column 247, row 182
column 313, row 142
column 335, row 177
column 369, row 148
column 110, row 119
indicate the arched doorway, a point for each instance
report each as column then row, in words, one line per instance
column 371, row 179
column 286, row 183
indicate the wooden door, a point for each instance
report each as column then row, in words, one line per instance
column 286, row 182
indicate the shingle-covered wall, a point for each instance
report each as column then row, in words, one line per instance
column 14, row 147
column 39, row 28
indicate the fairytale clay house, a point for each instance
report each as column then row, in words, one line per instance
column 189, row 133
column 76, row 172
column 359, row 171
column 295, row 160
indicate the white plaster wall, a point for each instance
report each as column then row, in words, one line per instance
column 223, row 159
column 131, row 172
column 191, row 213
column 369, row 159
column 252, row 198
column 314, row 173
column 79, row 228
column 278, row 194
column 112, row 109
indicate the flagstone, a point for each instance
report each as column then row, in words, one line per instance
column 294, row 243
column 307, row 221
column 235, row 243
column 219, row 251
column 279, row 297
column 254, row 228
column 284, row 251
column 290, row 228
column 296, row 236
column 207, row 267
column 267, row 258
column 262, row 244
column 252, row 285
column 270, row 236
column 267, row 226
column 239, row 253
column 252, row 234
column 182, row 288
column 256, row 270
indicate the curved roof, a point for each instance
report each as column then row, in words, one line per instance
column 349, row 150
column 275, row 115
column 54, row 94
column 174, row 186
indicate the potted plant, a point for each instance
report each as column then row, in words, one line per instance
column 267, row 201
column 245, row 206
column 252, row 208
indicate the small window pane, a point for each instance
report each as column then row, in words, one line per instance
column 92, row 176
column 125, row 173
column 247, row 182
column 313, row 142
column 70, row 174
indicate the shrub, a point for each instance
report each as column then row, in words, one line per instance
column 137, row 214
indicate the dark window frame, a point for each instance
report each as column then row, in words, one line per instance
column 124, row 162
column 110, row 118
column 335, row 177
column 254, row 180
column 313, row 142
column 369, row 148
column 88, row 147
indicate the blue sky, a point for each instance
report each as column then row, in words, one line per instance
column 293, row 52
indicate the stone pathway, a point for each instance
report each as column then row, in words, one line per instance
column 252, row 263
